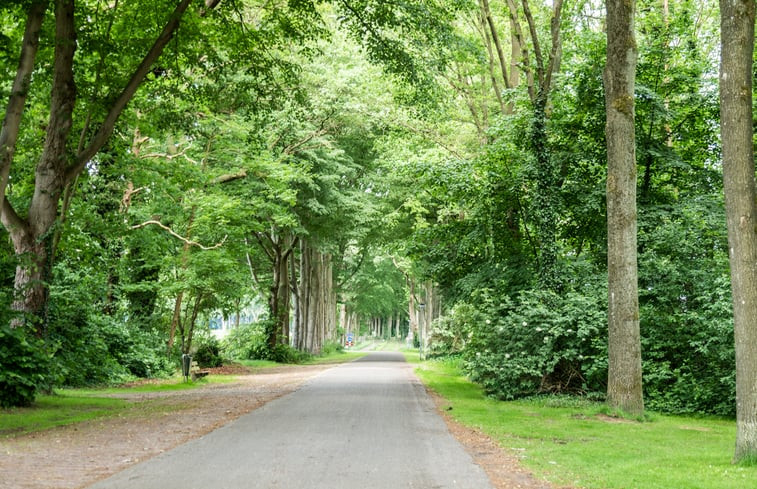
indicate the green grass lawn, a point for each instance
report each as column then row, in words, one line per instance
column 338, row 357
column 258, row 363
column 58, row 410
column 69, row 406
column 569, row 441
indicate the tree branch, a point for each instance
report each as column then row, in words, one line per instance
column 535, row 42
column 268, row 252
column 186, row 241
column 290, row 250
column 555, row 53
column 518, row 33
column 497, row 44
column 249, row 264
column 488, row 43
column 11, row 220
column 106, row 129
column 358, row 266
column 19, row 91
column 230, row 177
column 48, row 186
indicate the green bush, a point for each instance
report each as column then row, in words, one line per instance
column 686, row 311
column 24, row 367
column 331, row 347
column 246, row 342
column 208, row 351
column 451, row 332
column 286, row 354
column 541, row 342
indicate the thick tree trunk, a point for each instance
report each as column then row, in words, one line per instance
column 284, row 293
column 624, row 385
column 303, row 297
column 278, row 303
column 29, row 283
column 737, row 45
column 412, row 332
column 175, row 321
column 546, row 203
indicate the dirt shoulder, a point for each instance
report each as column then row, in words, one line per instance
column 78, row 455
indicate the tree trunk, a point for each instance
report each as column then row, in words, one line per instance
column 317, row 300
column 412, row 332
column 737, row 45
column 304, row 297
column 547, row 181
column 624, row 384
column 29, row 283
column 278, row 303
column 175, row 320
column 285, row 294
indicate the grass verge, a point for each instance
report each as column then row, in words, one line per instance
column 69, row 406
column 337, row 357
column 334, row 357
column 58, row 410
column 570, row 441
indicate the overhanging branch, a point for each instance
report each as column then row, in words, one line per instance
column 181, row 238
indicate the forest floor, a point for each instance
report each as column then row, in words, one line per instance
column 78, row 455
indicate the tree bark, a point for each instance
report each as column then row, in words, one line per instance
column 624, row 385
column 412, row 332
column 737, row 45
column 488, row 44
column 497, row 44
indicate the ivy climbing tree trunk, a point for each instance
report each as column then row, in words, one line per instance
column 547, row 181
column 624, row 387
column 737, row 46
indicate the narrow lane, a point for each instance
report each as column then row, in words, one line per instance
column 367, row 424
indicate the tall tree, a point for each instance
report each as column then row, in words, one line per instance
column 60, row 161
column 737, row 47
column 624, row 389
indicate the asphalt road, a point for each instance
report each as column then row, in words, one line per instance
column 363, row 425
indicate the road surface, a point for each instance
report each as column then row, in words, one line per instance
column 363, row 425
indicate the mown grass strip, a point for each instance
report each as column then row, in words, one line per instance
column 570, row 441
column 340, row 357
column 58, row 410
column 335, row 357
column 69, row 406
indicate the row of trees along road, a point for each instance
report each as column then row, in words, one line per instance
column 345, row 162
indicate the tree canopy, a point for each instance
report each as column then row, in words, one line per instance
column 440, row 170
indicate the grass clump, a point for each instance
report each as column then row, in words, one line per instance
column 579, row 442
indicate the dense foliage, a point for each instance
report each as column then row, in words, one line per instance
column 23, row 367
